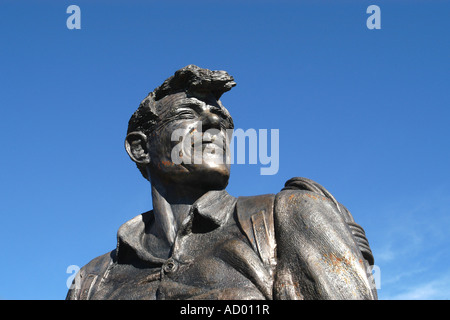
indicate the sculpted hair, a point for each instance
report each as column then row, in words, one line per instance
column 188, row 79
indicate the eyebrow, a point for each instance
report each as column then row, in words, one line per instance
column 189, row 103
column 196, row 105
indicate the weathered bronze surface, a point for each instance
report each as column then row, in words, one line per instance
column 199, row 242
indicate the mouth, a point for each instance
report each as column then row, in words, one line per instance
column 208, row 141
column 208, row 145
column 205, row 139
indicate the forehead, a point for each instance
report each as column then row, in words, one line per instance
column 168, row 108
column 178, row 100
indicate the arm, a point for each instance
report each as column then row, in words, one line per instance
column 317, row 255
column 88, row 278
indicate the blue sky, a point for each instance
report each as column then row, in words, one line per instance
column 363, row 112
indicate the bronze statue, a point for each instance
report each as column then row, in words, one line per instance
column 199, row 242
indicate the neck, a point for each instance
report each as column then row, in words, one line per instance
column 171, row 205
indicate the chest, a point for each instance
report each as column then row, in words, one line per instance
column 201, row 266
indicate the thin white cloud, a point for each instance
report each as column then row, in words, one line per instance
column 398, row 277
column 385, row 254
column 437, row 289
column 412, row 245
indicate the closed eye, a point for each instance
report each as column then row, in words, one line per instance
column 185, row 114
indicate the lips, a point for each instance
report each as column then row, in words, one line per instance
column 205, row 139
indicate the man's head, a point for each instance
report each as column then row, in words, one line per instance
column 185, row 106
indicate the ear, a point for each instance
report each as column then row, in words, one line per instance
column 136, row 146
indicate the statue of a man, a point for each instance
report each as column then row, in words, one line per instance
column 199, row 242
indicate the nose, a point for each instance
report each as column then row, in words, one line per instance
column 210, row 120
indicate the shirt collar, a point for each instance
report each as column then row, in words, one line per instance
column 214, row 209
column 215, row 206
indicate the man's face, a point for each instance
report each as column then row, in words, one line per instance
column 190, row 143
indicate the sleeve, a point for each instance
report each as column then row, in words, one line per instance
column 300, row 183
column 87, row 279
column 318, row 257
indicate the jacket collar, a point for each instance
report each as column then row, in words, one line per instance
column 215, row 207
column 134, row 241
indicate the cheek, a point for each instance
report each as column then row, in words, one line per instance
column 172, row 137
column 159, row 145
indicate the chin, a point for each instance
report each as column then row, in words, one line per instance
column 212, row 177
column 216, row 180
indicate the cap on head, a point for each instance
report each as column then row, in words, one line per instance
column 194, row 79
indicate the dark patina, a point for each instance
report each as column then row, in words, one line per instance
column 199, row 242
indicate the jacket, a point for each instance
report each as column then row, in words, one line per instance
column 297, row 244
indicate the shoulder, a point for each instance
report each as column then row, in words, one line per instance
column 98, row 265
column 305, row 200
column 298, row 200
column 88, row 276
column 306, row 194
